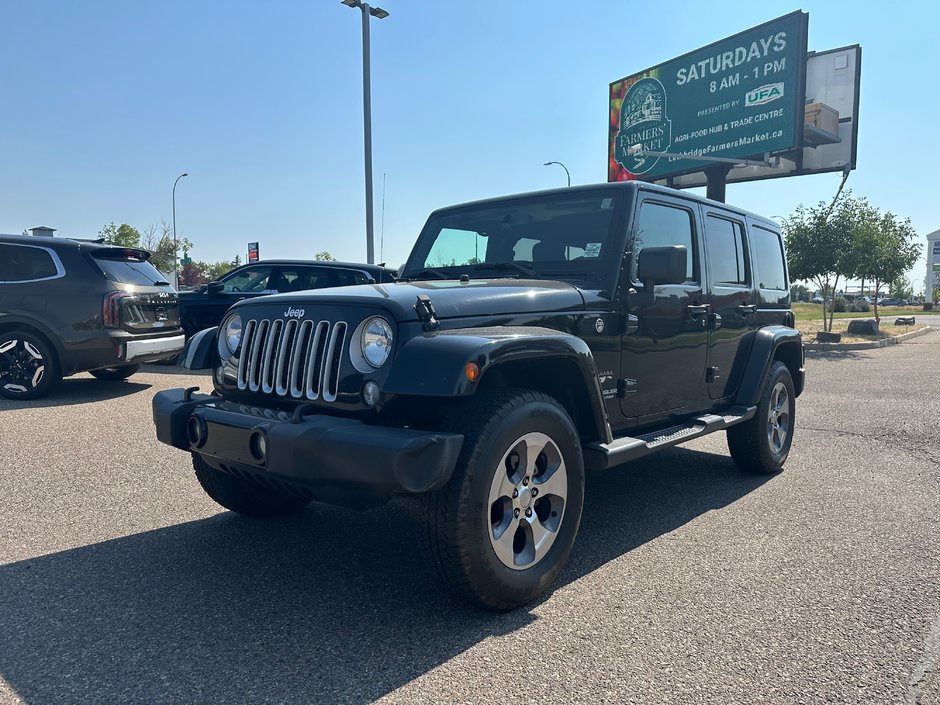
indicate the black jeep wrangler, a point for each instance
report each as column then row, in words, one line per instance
column 530, row 337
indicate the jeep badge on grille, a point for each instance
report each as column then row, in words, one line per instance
column 292, row 312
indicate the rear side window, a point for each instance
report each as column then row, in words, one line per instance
column 661, row 226
column 24, row 263
column 350, row 277
column 724, row 247
column 128, row 267
column 768, row 259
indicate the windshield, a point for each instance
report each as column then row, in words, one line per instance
column 129, row 269
column 569, row 237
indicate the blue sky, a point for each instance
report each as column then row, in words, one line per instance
column 103, row 103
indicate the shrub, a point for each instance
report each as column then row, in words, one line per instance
column 859, row 307
column 839, row 305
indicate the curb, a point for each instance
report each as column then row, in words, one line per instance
column 883, row 343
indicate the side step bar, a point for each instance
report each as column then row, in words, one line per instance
column 600, row 456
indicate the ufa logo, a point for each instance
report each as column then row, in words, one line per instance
column 764, row 94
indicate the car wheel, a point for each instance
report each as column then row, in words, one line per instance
column 242, row 496
column 114, row 374
column 501, row 530
column 761, row 445
column 29, row 367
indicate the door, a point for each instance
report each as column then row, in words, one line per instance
column 243, row 283
column 663, row 362
column 731, row 299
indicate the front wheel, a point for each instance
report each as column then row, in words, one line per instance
column 114, row 374
column 502, row 529
column 762, row 444
column 29, row 367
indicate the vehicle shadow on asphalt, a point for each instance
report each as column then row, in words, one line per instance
column 325, row 606
column 79, row 390
column 175, row 370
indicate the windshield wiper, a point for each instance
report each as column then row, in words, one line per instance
column 531, row 273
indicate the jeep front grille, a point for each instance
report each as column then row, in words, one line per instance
column 295, row 359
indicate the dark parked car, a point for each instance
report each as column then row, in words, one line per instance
column 529, row 338
column 204, row 308
column 68, row 306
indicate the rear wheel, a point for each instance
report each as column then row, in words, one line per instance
column 762, row 444
column 113, row 374
column 245, row 497
column 502, row 529
column 29, row 367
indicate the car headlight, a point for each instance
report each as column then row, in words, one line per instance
column 231, row 336
column 376, row 341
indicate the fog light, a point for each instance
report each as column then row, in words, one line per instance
column 370, row 393
column 258, row 445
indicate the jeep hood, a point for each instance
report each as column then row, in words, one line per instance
column 450, row 299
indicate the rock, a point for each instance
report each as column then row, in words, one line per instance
column 904, row 321
column 863, row 326
column 824, row 337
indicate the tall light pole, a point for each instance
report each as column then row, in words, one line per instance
column 379, row 14
column 563, row 167
column 176, row 278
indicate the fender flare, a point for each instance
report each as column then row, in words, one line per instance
column 434, row 364
column 767, row 342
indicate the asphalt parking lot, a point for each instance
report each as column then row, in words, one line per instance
column 120, row 581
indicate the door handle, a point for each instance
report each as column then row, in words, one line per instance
column 696, row 309
column 747, row 309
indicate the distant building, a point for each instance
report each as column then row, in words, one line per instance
column 42, row 231
column 932, row 280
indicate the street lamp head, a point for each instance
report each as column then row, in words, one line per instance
column 350, row 3
column 185, row 173
column 378, row 13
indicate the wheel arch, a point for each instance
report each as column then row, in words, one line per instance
column 771, row 343
column 15, row 323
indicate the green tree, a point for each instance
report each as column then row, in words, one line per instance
column 216, row 271
column 883, row 249
column 237, row 262
column 324, row 256
column 901, row 288
column 122, row 235
column 819, row 241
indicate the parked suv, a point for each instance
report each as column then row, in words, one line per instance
column 204, row 308
column 529, row 338
column 68, row 306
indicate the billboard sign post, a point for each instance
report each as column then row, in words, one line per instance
column 738, row 98
column 253, row 252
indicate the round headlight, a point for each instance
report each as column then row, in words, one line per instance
column 232, row 334
column 376, row 341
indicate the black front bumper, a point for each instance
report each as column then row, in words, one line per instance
column 311, row 451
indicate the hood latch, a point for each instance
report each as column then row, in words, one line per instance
column 425, row 311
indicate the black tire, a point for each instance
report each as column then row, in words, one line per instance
column 761, row 445
column 245, row 497
column 463, row 520
column 114, row 374
column 29, row 366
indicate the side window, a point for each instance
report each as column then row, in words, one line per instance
column 768, row 259
column 20, row 263
column 252, row 279
column 724, row 248
column 348, row 277
column 660, row 226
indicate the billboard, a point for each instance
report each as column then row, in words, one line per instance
column 252, row 251
column 830, row 136
column 740, row 97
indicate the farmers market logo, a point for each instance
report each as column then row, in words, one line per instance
column 764, row 94
column 643, row 122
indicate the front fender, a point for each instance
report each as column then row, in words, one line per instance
column 769, row 342
column 200, row 352
column 434, row 364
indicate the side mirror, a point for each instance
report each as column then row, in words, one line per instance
column 662, row 265
column 215, row 288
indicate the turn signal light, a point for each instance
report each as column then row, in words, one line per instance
column 472, row 371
